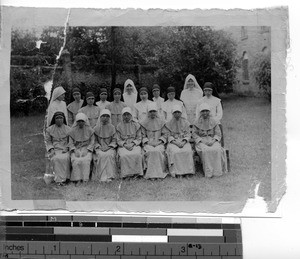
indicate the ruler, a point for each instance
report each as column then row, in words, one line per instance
column 119, row 237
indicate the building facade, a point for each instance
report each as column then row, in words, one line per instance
column 251, row 42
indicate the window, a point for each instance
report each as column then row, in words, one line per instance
column 264, row 29
column 244, row 34
column 245, row 65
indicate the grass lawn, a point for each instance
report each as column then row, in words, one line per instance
column 247, row 129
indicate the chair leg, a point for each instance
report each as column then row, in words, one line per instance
column 222, row 139
column 228, row 160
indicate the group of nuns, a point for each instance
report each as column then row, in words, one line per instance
column 154, row 138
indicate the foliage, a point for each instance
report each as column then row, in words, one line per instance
column 169, row 54
column 262, row 73
column 25, row 86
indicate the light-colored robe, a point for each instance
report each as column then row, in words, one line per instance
column 57, row 138
column 215, row 105
column 73, row 108
column 140, row 111
column 180, row 160
column 102, row 105
column 190, row 99
column 159, row 103
column 213, row 157
column 131, row 162
column 105, row 165
column 169, row 105
column 154, row 157
column 56, row 106
column 92, row 112
column 116, row 112
column 81, row 140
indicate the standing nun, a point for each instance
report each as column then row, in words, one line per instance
column 57, row 104
column 56, row 139
column 103, row 99
column 116, row 107
column 140, row 111
column 214, row 103
column 179, row 150
column 190, row 95
column 74, row 106
column 105, row 168
column 81, row 144
column 158, row 100
column 169, row 104
column 154, row 138
column 130, row 94
column 129, row 140
column 91, row 110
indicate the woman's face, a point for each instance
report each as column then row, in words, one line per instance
column 105, row 118
column 59, row 121
column 127, row 117
column 129, row 88
column 177, row 114
column 90, row 101
column 117, row 96
column 61, row 97
column 77, row 96
column 156, row 93
column 103, row 97
column 80, row 123
column 208, row 92
column 190, row 84
column 205, row 114
column 152, row 114
column 171, row 96
column 144, row 96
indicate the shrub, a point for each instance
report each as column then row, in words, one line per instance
column 262, row 73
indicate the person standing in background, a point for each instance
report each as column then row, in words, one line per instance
column 169, row 104
column 130, row 94
column 140, row 109
column 116, row 107
column 103, row 99
column 214, row 103
column 74, row 106
column 91, row 110
column 190, row 96
column 57, row 104
column 158, row 100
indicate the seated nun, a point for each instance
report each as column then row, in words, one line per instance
column 179, row 150
column 56, row 139
column 154, row 138
column 81, row 145
column 207, row 135
column 129, row 138
column 105, row 167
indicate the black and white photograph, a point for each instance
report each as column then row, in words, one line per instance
column 163, row 113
